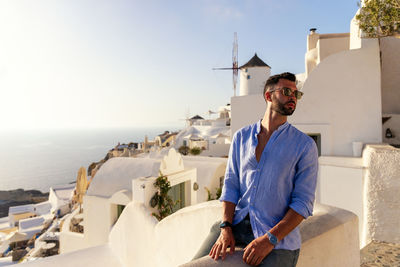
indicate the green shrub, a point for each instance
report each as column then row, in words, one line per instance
column 218, row 193
column 184, row 150
column 161, row 199
column 379, row 18
column 195, row 151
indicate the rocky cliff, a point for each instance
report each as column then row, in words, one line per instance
column 19, row 197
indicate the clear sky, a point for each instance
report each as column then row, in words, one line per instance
column 120, row 63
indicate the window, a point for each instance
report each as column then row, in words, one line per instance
column 246, row 70
column 177, row 193
column 317, row 140
column 248, row 77
column 120, row 208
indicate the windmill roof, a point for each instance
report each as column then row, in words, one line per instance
column 197, row 117
column 254, row 62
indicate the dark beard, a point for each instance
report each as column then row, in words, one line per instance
column 281, row 109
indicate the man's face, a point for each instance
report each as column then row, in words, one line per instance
column 284, row 105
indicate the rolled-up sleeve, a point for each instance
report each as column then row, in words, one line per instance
column 305, row 181
column 231, row 188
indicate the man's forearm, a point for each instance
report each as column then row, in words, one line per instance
column 226, row 238
column 228, row 210
column 260, row 247
column 290, row 221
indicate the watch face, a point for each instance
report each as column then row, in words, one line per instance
column 272, row 238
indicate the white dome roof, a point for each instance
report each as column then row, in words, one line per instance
column 117, row 174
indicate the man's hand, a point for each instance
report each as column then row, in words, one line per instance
column 257, row 250
column 225, row 240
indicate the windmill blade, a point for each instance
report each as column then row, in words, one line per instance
column 224, row 68
column 235, row 65
column 210, row 112
column 235, row 62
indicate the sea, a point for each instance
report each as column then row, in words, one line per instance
column 39, row 159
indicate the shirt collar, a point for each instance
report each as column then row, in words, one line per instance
column 258, row 127
column 280, row 128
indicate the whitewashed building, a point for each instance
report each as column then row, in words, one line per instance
column 123, row 180
column 60, row 197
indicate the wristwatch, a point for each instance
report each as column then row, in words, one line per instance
column 225, row 224
column 272, row 238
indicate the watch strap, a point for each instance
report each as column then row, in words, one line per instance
column 225, row 224
column 273, row 239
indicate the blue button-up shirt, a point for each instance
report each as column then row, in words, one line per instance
column 285, row 177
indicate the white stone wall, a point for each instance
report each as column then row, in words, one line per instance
column 328, row 45
column 216, row 150
column 340, row 184
column 367, row 186
column 89, row 257
column 381, row 194
column 390, row 47
column 329, row 239
column 179, row 236
column 71, row 241
column 336, row 101
column 208, row 175
column 320, row 46
column 138, row 239
column 97, row 219
column 336, row 244
column 132, row 239
column 246, row 110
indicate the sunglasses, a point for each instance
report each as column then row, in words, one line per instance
column 288, row 92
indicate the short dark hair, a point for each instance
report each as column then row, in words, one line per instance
column 273, row 80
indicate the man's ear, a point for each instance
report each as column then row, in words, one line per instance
column 268, row 96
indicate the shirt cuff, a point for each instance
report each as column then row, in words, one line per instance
column 301, row 209
column 229, row 197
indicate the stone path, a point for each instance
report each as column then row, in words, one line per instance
column 380, row 254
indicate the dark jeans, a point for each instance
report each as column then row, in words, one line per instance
column 243, row 236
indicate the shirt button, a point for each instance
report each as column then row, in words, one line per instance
column 254, row 186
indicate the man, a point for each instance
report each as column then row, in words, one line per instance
column 269, row 185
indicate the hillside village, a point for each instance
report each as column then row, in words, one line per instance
column 350, row 108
